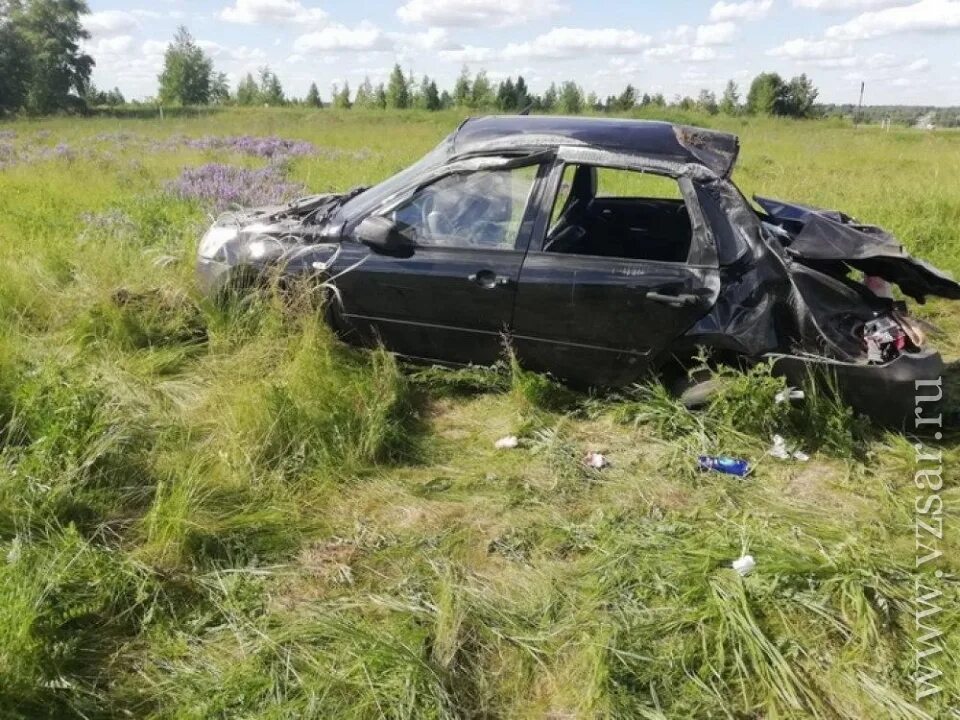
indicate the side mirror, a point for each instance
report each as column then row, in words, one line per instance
column 383, row 236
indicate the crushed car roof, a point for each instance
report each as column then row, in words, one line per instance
column 648, row 138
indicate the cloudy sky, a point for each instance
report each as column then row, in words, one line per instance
column 905, row 50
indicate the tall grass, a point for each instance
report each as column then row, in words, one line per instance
column 213, row 512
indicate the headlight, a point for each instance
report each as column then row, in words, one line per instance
column 264, row 246
column 216, row 238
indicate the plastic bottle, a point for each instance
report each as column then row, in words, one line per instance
column 728, row 465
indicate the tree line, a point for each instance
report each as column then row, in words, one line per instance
column 43, row 70
column 188, row 78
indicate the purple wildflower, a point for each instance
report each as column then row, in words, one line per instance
column 63, row 152
column 263, row 147
column 225, row 186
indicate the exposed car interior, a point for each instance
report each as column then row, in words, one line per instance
column 619, row 213
column 481, row 209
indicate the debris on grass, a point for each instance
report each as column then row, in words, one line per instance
column 726, row 465
column 789, row 393
column 507, row 443
column 744, row 565
column 596, row 460
column 780, row 451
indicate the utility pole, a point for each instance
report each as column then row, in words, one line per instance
column 856, row 118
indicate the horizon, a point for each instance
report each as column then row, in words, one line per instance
column 901, row 50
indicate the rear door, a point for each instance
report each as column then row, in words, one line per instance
column 452, row 299
column 602, row 309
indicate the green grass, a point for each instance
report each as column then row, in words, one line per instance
column 224, row 513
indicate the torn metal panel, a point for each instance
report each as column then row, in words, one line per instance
column 830, row 240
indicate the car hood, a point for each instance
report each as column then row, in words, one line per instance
column 823, row 238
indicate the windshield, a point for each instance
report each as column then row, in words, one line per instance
column 356, row 208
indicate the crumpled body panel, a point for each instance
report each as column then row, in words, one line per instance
column 830, row 239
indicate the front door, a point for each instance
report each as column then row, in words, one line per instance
column 452, row 299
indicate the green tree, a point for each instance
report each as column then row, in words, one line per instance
column 570, row 99
column 341, row 99
column 366, row 97
column 42, row 66
column 248, row 92
column 462, row 89
column 14, row 62
column 446, row 100
column 799, row 97
column 481, row 94
column 187, row 71
column 271, row 91
column 380, row 97
column 627, row 99
column 766, row 95
column 506, row 96
column 549, row 101
column 431, row 95
column 521, row 93
column 219, row 89
column 398, row 94
column 730, row 102
column 313, row 97
column 707, row 102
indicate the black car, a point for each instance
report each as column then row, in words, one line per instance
column 602, row 248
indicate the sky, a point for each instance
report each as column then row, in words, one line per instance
column 904, row 50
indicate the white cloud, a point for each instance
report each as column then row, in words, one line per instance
column 364, row 36
column 433, row 38
column 716, row 34
column 110, row 22
column 922, row 16
column 154, row 47
column 468, row 54
column 747, row 10
column 680, row 51
column 803, row 49
column 918, row 65
column 476, row 13
column 840, row 5
column 570, row 42
column 255, row 12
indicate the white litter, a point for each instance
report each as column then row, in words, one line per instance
column 780, row 451
column 596, row 460
column 744, row 565
column 507, row 443
column 788, row 394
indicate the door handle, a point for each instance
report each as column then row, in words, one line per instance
column 678, row 300
column 488, row 279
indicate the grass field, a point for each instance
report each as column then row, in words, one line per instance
column 224, row 513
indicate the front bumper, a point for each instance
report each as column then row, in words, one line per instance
column 886, row 393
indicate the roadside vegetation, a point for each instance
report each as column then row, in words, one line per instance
column 223, row 512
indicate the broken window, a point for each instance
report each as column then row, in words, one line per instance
column 481, row 209
column 619, row 213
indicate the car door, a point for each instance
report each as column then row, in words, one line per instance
column 596, row 311
column 452, row 299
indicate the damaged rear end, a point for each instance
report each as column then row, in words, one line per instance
column 845, row 274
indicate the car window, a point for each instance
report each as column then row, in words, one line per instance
column 482, row 209
column 612, row 212
column 615, row 183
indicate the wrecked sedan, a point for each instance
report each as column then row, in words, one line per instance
column 603, row 249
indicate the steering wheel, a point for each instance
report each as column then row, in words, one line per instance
column 432, row 222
